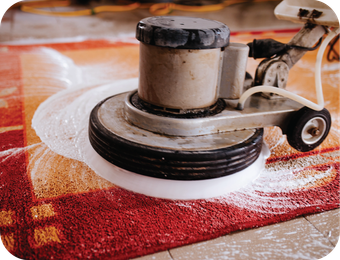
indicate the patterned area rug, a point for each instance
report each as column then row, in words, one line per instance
column 53, row 206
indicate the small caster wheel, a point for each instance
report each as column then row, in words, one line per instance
column 308, row 129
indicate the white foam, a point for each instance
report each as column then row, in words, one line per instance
column 51, row 64
column 61, row 121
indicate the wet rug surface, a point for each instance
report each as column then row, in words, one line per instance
column 53, row 206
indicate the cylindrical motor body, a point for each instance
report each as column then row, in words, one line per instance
column 180, row 60
column 178, row 78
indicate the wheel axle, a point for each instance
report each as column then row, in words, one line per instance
column 314, row 131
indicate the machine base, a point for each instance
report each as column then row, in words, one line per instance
column 169, row 157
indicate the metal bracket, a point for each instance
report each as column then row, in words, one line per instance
column 274, row 71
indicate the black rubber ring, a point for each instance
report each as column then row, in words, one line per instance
column 172, row 164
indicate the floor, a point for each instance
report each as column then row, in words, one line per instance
column 278, row 241
column 17, row 25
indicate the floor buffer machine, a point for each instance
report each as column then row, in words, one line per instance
column 194, row 127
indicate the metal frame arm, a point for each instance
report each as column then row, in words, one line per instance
column 274, row 71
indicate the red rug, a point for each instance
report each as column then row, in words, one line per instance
column 55, row 207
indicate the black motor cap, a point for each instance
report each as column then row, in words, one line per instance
column 183, row 32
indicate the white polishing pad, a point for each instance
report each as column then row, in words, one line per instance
column 174, row 189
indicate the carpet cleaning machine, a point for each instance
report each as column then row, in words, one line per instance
column 194, row 127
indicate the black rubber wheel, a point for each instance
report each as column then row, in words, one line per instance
column 172, row 164
column 308, row 128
